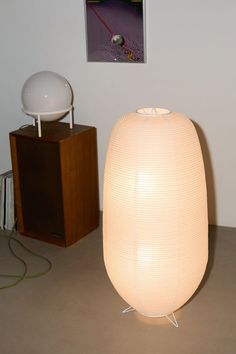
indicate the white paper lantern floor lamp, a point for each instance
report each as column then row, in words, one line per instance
column 155, row 227
column 47, row 96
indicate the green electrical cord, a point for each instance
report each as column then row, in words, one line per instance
column 20, row 277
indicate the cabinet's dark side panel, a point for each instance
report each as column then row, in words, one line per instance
column 40, row 185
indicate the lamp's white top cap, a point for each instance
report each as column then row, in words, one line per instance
column 153, row 111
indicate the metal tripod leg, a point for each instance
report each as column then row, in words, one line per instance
column 173, row 319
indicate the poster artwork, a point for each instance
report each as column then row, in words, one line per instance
column 115, row 31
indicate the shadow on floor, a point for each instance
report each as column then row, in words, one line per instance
column 212, row 240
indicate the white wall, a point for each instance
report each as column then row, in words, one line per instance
column 190, row 68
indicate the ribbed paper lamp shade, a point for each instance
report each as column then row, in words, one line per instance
column 155, row 228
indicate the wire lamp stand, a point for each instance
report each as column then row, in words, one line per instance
column 169, row 318
column 39, row 116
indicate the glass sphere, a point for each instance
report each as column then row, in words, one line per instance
column 46, row 92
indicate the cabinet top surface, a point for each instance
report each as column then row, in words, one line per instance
column 51, row 131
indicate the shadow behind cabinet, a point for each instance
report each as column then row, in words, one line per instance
column 55, row 182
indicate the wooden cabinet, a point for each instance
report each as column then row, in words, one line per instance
column 55, row 182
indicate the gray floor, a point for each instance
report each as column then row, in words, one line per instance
column 75, row 310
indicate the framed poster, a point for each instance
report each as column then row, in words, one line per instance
column 115, row 30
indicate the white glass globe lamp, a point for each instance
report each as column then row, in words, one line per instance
column 47, row 96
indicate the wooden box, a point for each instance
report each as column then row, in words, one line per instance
column 55, row 181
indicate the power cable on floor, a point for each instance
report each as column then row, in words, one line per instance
column 20, row 277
